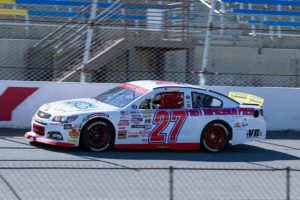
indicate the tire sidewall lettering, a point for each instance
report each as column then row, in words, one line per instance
column 96, row 123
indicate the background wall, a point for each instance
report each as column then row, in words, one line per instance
column 12, row 63
column 281, row 107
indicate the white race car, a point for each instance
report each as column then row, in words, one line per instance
column 151, row 115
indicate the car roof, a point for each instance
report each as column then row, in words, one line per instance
column 153, row 84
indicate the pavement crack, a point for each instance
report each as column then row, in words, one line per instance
column 280, row 145
column 10, row 187
column 107, row 162
column 10, row 140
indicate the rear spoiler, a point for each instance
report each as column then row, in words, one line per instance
column 244, row 98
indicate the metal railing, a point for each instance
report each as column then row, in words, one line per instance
column 150, row 183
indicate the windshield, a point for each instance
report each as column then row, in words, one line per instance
column 118, row 96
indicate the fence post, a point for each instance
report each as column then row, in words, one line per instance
column 288, row 171
column 171, row 182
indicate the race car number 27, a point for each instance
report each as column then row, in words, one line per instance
column 162, row 119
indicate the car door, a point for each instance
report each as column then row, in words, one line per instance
column 167, row 117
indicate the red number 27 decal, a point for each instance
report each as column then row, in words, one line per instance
column 161, row 120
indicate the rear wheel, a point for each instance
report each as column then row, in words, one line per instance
column 215, row 137
column 97, row 136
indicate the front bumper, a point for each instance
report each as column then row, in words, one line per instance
column 47, row 133
column 37, row 138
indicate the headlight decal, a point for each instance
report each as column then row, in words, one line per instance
column 65, row 119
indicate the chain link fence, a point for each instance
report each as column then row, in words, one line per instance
column 148, row 183
column 122, row 40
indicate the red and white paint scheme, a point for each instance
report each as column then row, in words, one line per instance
column 150, row 115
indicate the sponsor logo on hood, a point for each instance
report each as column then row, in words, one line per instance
column 81, row 104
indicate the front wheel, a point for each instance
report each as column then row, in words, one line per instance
column 215, row 137
column 97, row 136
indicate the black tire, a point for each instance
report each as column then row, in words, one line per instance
column 215, row 137
column 97, row 135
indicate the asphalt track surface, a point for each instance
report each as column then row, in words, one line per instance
column 251, row 171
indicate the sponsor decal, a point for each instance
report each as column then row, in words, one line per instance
column 98, row 115
column 136, row 116
column 194, row 113
column 124, row 114
column 241, row 123
column 122, row 136
column 220, row 111
column 135, row 88
column 134, row 106
column 188, row 105
column 136, row 123
column 148, row 120
column 173, row 89
column 244, row 124
column 144, row 132
column 246, row 98
column 245, row 111
column 148, row 126
column 239, row 95
column 81, row 104
column 228, row 111
column 138, row 126
column 134, row 112
column 133, row 133
column 67, row 126
column 11, row 98
column 137, row 119
column 255, row 99
column 55, row 135
column 237, row 124
column 122, row 127
column 50, row 123
column 74, row 133
column 72, row 140
column 188, row 97
column 133, row 136
column 123, row 122
column 122, row 132
column 252, row 133
column 147, row 112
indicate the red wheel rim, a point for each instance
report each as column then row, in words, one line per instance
column 98, row 136
column 215, row 137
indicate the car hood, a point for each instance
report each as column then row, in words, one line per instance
column 76, row 106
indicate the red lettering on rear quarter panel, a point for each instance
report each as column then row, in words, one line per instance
column 11, row 98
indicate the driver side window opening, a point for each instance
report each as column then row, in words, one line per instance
column 205, row 101
column 164, row 100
